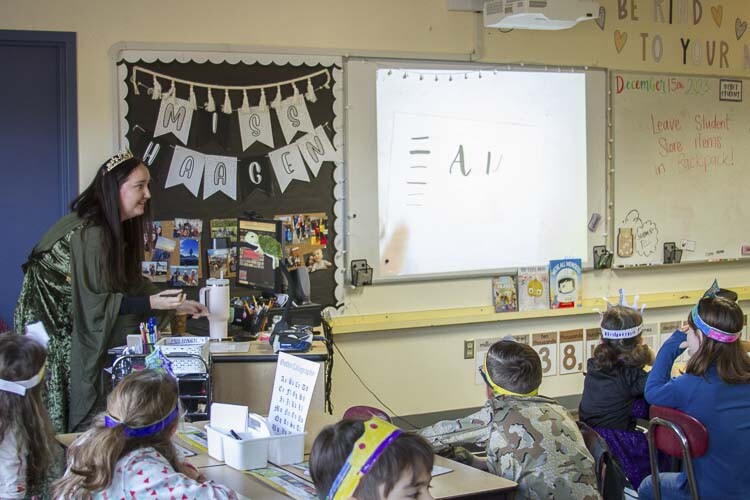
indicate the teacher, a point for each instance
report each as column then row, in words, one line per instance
column 83, row 282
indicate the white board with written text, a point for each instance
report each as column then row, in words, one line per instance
column 682, row 167
column 458, row 170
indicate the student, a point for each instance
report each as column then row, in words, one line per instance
column 128, row 451
column 613, row 388
column 529, row 439
column 715, row 389
column 27, row 439
column 372, row 460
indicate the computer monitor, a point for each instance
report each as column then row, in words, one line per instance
column 260, row 254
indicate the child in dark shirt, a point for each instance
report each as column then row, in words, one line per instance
column 613, row 388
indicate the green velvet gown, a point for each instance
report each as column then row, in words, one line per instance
column 64, row 289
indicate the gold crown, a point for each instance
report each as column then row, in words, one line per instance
column 117, row 159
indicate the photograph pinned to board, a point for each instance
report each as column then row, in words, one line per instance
column 187, row 228
column 184, row 276
column 304, row 234
column 504, row 293
column 566, row 283
column 218, row 262
column 224, row 228
column 154, row 271
column 163, row 249
column 533, row 288
column 189, row 252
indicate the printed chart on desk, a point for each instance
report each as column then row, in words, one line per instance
column 682, row 167
column 480, row 171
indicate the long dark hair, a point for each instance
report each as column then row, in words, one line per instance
column 140, row 399
column 732, row 363
column 20, row 359
column 123, row 241
column 629, row 352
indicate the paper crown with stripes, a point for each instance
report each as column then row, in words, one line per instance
column 708, row 330
column 628, row 333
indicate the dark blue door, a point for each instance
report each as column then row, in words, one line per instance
column 39, row 162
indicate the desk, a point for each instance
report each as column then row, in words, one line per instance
column 246, row 378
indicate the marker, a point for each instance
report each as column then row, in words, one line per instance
column 235, row 435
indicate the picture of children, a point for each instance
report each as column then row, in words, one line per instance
column 318, row 262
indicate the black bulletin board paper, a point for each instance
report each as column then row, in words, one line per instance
column 267, row 199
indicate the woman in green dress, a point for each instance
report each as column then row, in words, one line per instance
column 83, row 282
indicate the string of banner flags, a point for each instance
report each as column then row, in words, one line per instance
column 219, row 173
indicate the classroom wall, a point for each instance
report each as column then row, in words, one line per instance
column 417, row 370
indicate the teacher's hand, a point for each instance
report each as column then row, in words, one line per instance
column 197, row 309
column 168, row 299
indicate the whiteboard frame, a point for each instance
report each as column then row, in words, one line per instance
column 361, row 221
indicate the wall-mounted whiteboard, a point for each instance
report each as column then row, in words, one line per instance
column 457, row 170
column 682, row 166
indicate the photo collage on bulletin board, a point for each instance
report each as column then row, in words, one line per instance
column 236, row 141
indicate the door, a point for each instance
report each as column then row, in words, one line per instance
column 38, row 138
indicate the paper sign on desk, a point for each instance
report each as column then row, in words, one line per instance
column 292, row 393
column 224, row 416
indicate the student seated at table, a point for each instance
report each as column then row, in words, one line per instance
column 613, row 388
column 28, row 451
column 370, row 460
column 529, row 439
column 715, row 389
column 128, row 451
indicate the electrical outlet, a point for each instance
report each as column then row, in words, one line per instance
column 468, row 349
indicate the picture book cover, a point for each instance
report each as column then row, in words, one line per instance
column 504, row 294
column 566, row 283
column 533, row 288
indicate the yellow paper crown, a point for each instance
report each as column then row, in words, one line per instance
column 378, row 435
column 501, row 391
column 117, row 159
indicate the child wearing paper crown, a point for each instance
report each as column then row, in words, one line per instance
column 372, row 460
column 715, row 389
column 27, row 439
column 613, row 388
column 128, row 451
column 529, row 439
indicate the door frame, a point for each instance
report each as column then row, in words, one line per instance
column 65, row 43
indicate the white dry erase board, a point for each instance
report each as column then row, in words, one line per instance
column 455, row 169
column 682, row 166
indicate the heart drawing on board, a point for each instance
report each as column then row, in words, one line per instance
column 740, row 27
column 621, row 38
column 602, row 19
column 717, row 11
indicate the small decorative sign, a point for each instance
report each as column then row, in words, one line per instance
column 730, row 90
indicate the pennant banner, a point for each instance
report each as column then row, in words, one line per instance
column 175, row 116
column 255, row 173
column 220, row 175
column 294, row 117
column 255, row 126
column 288, row 164
column 186, row 168
column 317, row 148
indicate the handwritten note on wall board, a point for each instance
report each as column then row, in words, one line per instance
column 682, row 166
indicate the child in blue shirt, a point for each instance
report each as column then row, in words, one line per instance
column 715, row 389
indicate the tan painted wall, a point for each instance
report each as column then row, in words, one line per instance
column 420, row 370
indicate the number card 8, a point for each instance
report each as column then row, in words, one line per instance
column 571, row 352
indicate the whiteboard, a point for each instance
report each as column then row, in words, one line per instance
column 682, row 171
column 467, row 175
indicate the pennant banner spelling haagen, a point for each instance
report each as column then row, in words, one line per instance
column 317, row 148
column 186, row 168
column 294, row 117
column 220, row 175
column 255, row 126
column 287, row 165
column 254, row 173
column 175, row 116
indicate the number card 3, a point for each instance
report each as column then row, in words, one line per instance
column 545, row 344
column 571, row 351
